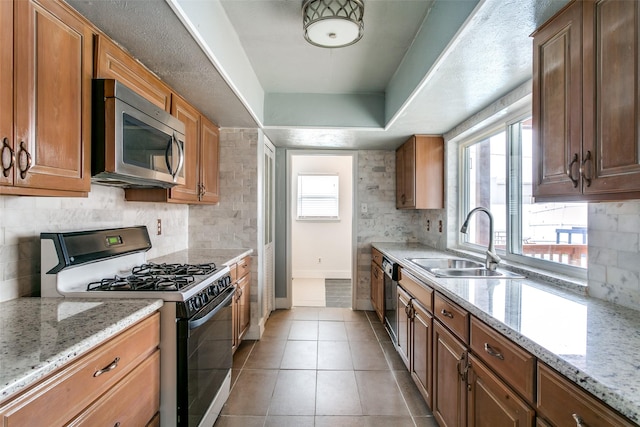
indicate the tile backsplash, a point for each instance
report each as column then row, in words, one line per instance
column 614, row 252
column 22, row 219
column 376, row 187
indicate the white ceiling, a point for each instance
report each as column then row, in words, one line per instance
column 423, row 66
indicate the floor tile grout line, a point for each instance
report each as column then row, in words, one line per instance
column 395, row 379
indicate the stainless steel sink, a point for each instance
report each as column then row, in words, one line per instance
column 460, row 268
column 447, row 263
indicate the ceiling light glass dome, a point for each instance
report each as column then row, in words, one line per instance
column 333, row 23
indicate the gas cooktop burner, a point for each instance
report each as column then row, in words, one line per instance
column 174, row 269
column 154, row 277
column 145, row 282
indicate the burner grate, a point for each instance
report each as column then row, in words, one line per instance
column 144, row 282
column 175, row 269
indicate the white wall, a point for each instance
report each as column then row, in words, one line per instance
column 329, row 242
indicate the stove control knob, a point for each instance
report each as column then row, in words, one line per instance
column 196, row 302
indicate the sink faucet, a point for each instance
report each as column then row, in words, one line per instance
column 493, row 259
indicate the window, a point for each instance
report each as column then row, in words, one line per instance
column 318, row 197
column 497, row 174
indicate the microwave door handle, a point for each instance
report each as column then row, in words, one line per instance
column 181, row 161
column 180, row 157
column 167, row 158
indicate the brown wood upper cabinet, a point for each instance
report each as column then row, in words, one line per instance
column 585, row 101
column 112, row 62
column 45, row 130
column 420, row 173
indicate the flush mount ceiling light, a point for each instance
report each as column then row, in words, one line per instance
column 332, row 23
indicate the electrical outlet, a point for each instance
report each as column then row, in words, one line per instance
column 363, row 208
column 440, row 226
column 159, row 232
column 428, row 225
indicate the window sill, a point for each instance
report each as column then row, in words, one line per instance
column 569, row 283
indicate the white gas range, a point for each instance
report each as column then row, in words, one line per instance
column 195, row 327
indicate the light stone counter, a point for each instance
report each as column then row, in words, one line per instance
column 594, row 343
column 39, row 335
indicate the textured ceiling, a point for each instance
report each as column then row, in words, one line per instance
column 431, row 70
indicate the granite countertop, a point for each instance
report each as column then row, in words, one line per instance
column 198, row 256
column 594, row 343
column 39, row 335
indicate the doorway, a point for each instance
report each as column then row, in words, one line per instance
column 321, row 224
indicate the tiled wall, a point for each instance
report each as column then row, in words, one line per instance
column 383, row 222
column 614, row 252
column 233, row 223
column 22, row 219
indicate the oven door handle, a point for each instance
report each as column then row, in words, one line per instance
column 197, row 321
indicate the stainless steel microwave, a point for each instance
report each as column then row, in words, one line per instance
column 134, row 143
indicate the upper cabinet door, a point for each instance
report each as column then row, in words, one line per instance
column 114, row 63
column 191, row 119
column 209, row 162
column 557, row 105
column 611, row 153
column 52, row 77
column 6, row 92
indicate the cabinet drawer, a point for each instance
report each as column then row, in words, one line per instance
column 515, row 365
column 244, row 266
column 376, row 256
column 132, row 402
column 423, row 293
column 563, row 403
column 66, row 393
column 452, row 316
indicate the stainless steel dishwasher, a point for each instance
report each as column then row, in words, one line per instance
column 390, row 302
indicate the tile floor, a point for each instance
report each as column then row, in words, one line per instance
column 322, row 367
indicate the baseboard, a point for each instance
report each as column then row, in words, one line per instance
column 282, row 304
column 322, row 274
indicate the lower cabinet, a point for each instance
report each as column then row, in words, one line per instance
column 377, row 290
column 491, row 402
column 470, row 374
column 89, row 391
column 562, row 403
column 241, row 306
column 449, row 378
column 421, row 351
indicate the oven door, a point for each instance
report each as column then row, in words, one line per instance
column 204, row 358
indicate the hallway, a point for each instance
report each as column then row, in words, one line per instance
column 321, row 367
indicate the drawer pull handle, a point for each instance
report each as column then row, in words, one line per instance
column 113, row 365
column 492, row 352
column 117, row 424
column 446, row 313
column 579, row 420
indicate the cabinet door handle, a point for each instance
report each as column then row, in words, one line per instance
column 446, row 313
column 492, row 352
column 23, row 172
column 570, row 170
column 579, row 420
column 113, row 365
column 583, row 168
column 12, row 157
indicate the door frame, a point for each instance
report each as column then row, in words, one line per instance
column 288, row 301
